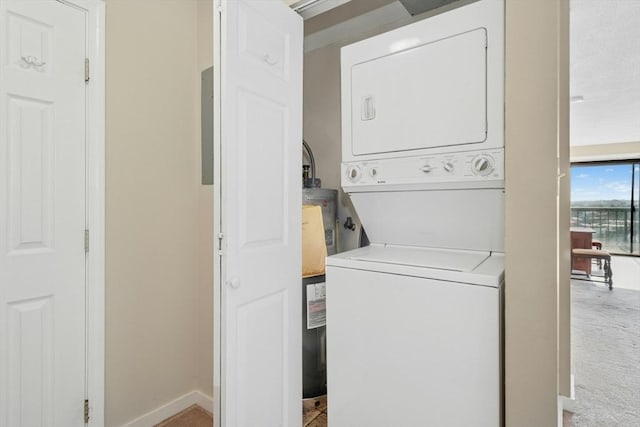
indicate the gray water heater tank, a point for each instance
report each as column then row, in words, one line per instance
column 314, row 330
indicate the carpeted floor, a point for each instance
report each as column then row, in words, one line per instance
column 606, row 356
column 193, row 416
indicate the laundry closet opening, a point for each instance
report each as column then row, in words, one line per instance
column 368, row 150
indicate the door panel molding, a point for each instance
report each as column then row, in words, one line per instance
column 30, row 200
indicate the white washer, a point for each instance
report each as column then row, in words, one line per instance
column 414, row 337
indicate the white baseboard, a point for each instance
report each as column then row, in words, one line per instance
column 569, row 402
column 205, row 401
column 560, row 422
column 172, row 408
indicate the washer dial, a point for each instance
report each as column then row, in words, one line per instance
column 448, row 166
column 427, row 168
column 353, row 173
column 482, row 165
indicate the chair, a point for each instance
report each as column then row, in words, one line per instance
column 597, row 244
column 597, row 254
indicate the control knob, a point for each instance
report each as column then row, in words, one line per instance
column 353, row 173
column 448, row 166
column 483, row 165
column 426, row 168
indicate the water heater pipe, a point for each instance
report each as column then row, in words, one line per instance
column 311, row 159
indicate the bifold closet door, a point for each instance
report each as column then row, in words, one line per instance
column 258, row 143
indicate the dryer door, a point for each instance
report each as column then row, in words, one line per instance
column 433, row 95
column 434, row 86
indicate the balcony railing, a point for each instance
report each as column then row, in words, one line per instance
column 612, row 227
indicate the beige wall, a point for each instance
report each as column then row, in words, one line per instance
column 322, row 131
column 205, row 221
column 534, row 122
column 152, row 205
column 614, row 151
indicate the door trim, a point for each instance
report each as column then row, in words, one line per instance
column 95, row 207
column 219, row 42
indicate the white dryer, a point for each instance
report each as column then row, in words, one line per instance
column 414, row 320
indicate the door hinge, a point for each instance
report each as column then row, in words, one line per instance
column 86, row 241
column 86, row 69
column 220, row 237
column 86, row 411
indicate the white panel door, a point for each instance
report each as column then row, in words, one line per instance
column 258, row 361
column 42, row 214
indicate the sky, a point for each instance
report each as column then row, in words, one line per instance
column 607, row 182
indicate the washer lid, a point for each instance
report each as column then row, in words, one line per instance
column 442, row 259
column 473, row 267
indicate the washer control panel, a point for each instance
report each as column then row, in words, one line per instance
column 471, row 167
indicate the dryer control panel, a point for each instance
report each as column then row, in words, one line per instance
column 471, row 169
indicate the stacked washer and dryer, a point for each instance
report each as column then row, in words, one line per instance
column 414, row 319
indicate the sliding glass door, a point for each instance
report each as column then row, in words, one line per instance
column 604, row 197
column 635, row 212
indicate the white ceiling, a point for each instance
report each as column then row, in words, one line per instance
column 605, row 60
column 605, row 70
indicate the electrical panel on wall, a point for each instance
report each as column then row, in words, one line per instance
column 207, row 126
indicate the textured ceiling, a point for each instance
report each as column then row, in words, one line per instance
column 605, row 70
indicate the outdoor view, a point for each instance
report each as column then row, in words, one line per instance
column 604, row 197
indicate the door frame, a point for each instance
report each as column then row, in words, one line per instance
column 218, row 47
column 95, row 207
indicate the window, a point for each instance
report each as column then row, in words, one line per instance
column 604, row 196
